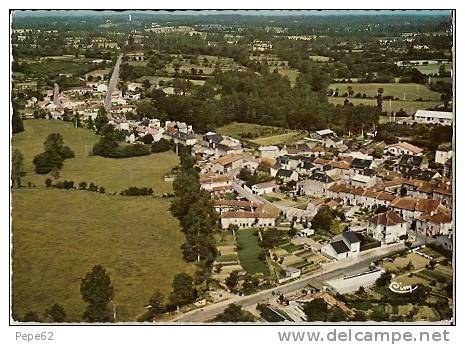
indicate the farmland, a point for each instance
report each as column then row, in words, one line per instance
column 113, row 174
column 409, row 106
column 59, row 235
column 259, row 134
column 405, row 92
column 53, row 67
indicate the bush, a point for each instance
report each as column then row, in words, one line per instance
column 162, row 145
column 45, row 162
column 136, row 191
column 92, row 187
column 53, row 156
column 64, row 184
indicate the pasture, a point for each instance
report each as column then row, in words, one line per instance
column 408, row 106
column 113, row 174
column 58, row 235
column 404, row 92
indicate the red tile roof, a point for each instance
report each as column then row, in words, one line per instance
column 388, row 218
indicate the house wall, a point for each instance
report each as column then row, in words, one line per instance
column 240, row 222
column 442, row 156
column 265, row 222
column 432, row 229
column 387, row 234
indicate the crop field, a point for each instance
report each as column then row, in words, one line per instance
column 404, row 92
column 113, row 174
column 59, row 235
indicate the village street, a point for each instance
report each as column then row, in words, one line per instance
column 336, row 269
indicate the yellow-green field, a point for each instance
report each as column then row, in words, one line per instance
column 405, row 92
column 113, row 174
column 409, row 106
column 58, row 235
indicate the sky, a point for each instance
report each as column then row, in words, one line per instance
column 245, row 12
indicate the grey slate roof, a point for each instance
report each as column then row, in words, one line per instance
column 340, row 247
column 350, row 237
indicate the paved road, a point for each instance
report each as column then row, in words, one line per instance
column 329, row 271
column 56, row 95
column 113, row 83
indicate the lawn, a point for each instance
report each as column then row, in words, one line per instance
column 113, row 174
column 406, row 92
column 59, row 235
column 409, row 106
column 224, row 238
column 249, row 251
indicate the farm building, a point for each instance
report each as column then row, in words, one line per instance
column 434, row 117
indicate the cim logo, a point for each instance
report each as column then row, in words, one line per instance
column 399, row 288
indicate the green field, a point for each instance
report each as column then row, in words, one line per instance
column 248, row 254
column 113, row 174
column 409, row 106
column 405, row 92
column 52, row 67
column 259, row 134
column 59, row 235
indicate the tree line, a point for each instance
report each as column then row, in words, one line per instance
column 192, row 206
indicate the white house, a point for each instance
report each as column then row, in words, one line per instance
column 269, row 151
column 434, row 117
column 287, row 175
column 247, row 219
column 343, row 246
column 102, row 88
column 403, row 148
column 443, row 153
column 315, row 185
column 211, row 182
column 263, row 188
column 437, row 224
column 387, row 227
